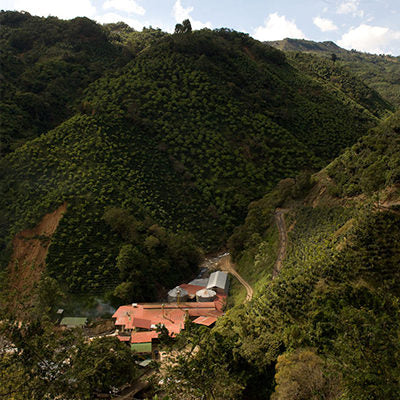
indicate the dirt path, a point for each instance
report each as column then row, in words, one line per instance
column 283, row 240
column 226, row 265
column 387, row 206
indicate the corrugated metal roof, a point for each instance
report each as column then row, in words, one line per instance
column 199, row 282
column 141, row 347
column 218, row 279
column 144, row 363
column 74, row 321
column 177, row 291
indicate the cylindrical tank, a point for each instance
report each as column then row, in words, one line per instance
column 177, row 294
column 205, row 295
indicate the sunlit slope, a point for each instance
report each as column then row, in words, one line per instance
column 188, row 133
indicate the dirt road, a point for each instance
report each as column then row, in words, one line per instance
column 283, row 240
column 226, row 265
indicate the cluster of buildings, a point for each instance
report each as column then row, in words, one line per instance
column 202, row 301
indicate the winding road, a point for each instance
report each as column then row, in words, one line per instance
column 283, row 240
column 226, row 265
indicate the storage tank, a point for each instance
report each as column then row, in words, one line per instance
column 177, row 293
column 204, row 295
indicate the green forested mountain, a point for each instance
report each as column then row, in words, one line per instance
column 161, row 147
column 190, row 131
column 380, row 72
column 327, row 326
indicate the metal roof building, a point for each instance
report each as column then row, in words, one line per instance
column 219, row 282
column 177, row 294
column 74, row 322
column 199, row 282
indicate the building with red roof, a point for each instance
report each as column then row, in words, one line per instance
column 138, row 322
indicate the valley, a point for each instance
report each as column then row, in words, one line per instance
column 140, row 169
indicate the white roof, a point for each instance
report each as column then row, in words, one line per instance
column 206, row 293
column 218, row 279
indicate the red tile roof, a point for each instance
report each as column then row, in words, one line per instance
column 191, row 289
column 141, row 323
column 124, row 338
column 172, row 318
column 207, row 321
column 171, row 315
column 143, row 337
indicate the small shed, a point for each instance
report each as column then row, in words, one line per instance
column 177, row 294
column 219, row 282
column 73, row 322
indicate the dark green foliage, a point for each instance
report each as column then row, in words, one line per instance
column 184, row 27
column 259, row 218
column 371, row 164
column 342, row 79
column 150, row 253
column 45, row 65
column 342, row 301
column 51, row 363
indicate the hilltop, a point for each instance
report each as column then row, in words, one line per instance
column 380, row 72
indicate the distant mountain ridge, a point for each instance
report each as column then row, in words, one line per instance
column 380, row 72
column 306, row 45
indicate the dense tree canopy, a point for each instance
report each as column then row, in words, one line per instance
column 185, row 136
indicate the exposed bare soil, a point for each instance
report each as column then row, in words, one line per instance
column 283, row 239
column 27, row 264
column 226, row 265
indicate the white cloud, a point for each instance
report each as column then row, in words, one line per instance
column 324, row 24
column 371, row 39
column 113, row 17
column 277, row 27
column 62, row 9
column 181, row 13
column 350, row 7
column 128, row 6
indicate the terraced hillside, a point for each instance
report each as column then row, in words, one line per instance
column 183, row 137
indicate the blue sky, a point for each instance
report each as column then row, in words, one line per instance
column 366, row 25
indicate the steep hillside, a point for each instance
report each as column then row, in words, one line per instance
column 328, row 323
column 380, row 72
column 371, row 164
column 184, row 136
column 45, row 65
